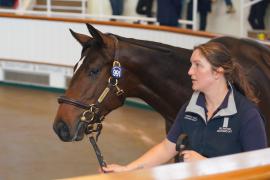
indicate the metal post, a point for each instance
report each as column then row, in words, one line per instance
column 194, row 19
column 19, row 9
column 83, row 10
column 242, row 10
column 49, row 8
column 101, row 6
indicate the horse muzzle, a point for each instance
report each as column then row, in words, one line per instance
column 63, row 131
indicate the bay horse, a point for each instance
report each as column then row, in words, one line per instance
column 154, row 72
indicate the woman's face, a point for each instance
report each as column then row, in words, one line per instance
column 201, row 72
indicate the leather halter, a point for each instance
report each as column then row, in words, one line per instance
column 92, row 114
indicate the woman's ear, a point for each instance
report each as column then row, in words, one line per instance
column 218, row 72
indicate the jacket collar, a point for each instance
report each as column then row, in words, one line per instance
column 197, row 104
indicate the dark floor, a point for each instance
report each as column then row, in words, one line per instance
column 29, row 149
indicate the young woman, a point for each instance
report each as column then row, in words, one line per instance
column 221, row 117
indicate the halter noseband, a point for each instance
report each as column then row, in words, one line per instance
column 92, row 114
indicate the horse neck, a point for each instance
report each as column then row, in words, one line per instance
column 159, row 78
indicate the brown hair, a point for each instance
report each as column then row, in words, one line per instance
column 219, row 56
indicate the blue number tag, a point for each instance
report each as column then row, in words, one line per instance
column 116, row 72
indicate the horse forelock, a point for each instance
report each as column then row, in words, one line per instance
column 91, row 43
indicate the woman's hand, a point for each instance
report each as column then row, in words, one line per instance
column 189, row 155
column 114, row 168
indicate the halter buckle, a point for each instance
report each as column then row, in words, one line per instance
column 119, row 91
column 88, row 116
column 112, row 81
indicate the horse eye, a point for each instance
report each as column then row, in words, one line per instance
column 93, row 72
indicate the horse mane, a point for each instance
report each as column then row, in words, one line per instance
column 265, row 51
column 143, row 43
column 255, row 44
column 164, row 48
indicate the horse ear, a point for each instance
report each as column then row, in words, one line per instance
column 81, row 38
column 97, row 35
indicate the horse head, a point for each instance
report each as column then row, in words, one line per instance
column 95, row 88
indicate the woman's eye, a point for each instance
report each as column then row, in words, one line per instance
column 94, row 72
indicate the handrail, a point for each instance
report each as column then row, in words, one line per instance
column 78, row 19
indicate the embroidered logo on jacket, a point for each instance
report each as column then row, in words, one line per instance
column 225, row 128
column 192, row 118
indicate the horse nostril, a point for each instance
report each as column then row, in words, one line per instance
column 62, row 130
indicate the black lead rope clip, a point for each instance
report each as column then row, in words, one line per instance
column 94, row 128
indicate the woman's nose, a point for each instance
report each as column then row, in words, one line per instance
column 190, row 71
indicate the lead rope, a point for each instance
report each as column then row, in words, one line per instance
column 96, row 119
column 98, row 153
